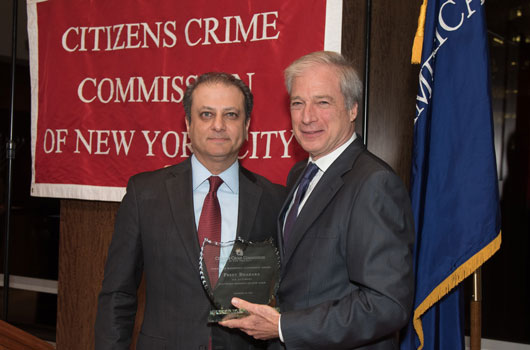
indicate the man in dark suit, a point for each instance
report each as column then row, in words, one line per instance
column 346, row 228
column 161, row 216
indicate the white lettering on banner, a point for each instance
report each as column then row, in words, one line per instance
column 169, row 34
column 260, row 147
column 268, row 143
column 120, row 94
column 254, row 139
column 186, row 145
column 285, row 143
column 254, row 143
column 65, row 38
column 469, row 11
column 208, row 29
column 100, row 90
column 81, row 87
column 53, row 143
column 443, row 24
column 443, row 32
column 424, row 84
column 150, row 142
column 121, row 141
column 165, row 144
column 135, row 89
column 170, row 144
column 102, row 141
column 120, row 36
column 204, row 31
column 442, row 21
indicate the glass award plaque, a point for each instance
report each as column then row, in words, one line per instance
column 251, row 272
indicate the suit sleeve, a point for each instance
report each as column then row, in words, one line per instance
column 117, row 302
column 378, row 253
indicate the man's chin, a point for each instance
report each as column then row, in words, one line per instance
column 310, row 146
column 220, row 155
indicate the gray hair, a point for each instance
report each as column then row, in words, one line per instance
column 214, row 78
column 350, row 84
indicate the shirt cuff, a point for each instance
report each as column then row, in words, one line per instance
column 280, row 329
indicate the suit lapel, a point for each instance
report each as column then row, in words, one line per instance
column 315, row 204
column 322, row 194
column 180, row 194
column 249, row 198
column 296, row 172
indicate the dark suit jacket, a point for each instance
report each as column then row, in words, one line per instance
column 346, row 280
column 155, row 234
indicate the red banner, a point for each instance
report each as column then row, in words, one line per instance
column 108, row 78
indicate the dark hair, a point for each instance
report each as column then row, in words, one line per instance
column 214, row 78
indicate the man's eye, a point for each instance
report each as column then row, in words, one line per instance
column 295, row 104
column 323, row 102
column 206, row 114
column 232, row 115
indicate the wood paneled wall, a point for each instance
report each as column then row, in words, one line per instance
column 393, row 80
column 85, row 234
column 86, row 227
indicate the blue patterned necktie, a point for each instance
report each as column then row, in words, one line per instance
column 309, row 173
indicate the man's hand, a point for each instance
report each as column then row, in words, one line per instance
column 262, row 323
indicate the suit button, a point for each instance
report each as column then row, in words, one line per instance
column 203, row 347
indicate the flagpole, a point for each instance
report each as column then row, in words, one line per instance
column 476, row 311
column 10, row 155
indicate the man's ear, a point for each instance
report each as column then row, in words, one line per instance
column 187, row 125
column 247, row 127
column 353, row 112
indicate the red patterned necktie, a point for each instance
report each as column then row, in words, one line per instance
column 210, row 227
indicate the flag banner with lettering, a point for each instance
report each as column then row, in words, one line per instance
column 108, row 78
column 454, row 187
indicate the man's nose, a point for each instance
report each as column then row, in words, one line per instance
column 308, row 114
column 218, row 123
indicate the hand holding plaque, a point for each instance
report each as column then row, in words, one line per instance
column 251, row 272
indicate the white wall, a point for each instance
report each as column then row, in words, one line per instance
column 489, row 344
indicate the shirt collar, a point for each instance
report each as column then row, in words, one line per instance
column 325, row 162
column 200, row 174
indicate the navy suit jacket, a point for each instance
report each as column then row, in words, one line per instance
column 346, row 279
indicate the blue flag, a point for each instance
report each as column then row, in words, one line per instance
column 454, row 179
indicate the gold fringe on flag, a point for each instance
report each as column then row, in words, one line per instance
column 418, row 38
column 464, row 270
